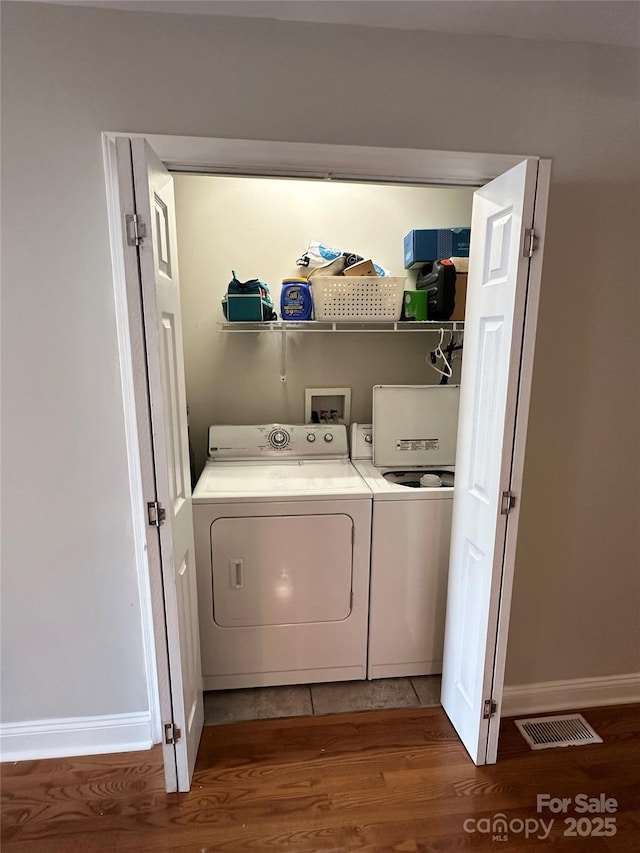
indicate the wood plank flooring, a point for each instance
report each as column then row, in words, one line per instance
column 372, row 781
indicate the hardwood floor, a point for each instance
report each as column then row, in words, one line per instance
column 372, row 781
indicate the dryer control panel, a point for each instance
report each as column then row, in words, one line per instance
column 278, row 441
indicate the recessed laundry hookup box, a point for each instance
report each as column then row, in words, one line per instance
column 434, row 244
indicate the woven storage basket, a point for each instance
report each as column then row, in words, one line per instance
column 357, row 297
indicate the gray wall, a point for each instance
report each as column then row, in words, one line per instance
column 71, row 639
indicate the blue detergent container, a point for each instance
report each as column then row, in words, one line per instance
column 295, row 299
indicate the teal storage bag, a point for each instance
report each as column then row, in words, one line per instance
column 247, row 301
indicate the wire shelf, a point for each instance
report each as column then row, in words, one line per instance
column 345, row 326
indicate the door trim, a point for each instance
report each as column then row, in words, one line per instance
column 328, row 162
column 282, row 159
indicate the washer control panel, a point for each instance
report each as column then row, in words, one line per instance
column 278, row 441
column 361, row 441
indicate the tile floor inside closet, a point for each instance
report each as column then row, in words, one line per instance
column 300, row 700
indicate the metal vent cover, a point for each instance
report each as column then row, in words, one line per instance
column 564, row 730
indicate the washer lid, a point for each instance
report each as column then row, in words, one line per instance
column 247, row 481
column 386, row 490
column 415, row 425
column 420, row 478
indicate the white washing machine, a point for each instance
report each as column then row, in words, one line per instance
column 282, row 541
column 414, row 434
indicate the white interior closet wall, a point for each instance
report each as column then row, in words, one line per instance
column 260, row 227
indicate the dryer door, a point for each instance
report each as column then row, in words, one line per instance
column 281, row 570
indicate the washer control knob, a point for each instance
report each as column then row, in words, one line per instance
column 368, row 439
column 279, row 438
column 328, row 436
column 311, row 436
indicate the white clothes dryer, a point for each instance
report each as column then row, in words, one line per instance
column 282, row 543
column 414, row 434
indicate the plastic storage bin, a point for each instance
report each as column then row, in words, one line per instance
column 358, row 298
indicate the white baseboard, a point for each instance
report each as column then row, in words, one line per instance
column 75, row 736
column 566, row 695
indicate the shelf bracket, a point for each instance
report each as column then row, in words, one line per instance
column 283, row 355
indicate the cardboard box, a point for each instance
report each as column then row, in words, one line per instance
column 434, row 244
column 361, row 268
column 461, row 296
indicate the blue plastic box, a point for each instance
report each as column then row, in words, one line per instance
column 434, row 244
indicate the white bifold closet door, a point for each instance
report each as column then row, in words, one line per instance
column 156, row 282
column 493, row 406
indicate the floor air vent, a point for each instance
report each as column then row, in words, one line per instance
column 566, row 730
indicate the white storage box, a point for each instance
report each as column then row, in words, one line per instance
column 357, row 298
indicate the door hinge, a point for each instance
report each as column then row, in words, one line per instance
column 508, row 502
column 530, row 242
column 489, row 710
column 136, row 229
column 172, row 733
column 156, row 514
